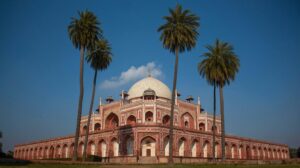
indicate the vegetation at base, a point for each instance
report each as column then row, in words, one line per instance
column 294, row 153
column 152, row 166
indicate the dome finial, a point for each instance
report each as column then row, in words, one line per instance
column 149, row 72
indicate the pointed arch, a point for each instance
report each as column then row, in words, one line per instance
column 51, row 152
column 97, row 127
column 148, row 146
column 71, row 150
column 102, row 148
column 218, row 150
column 149, row 117
column 57, row 152
column 195, row 148
column 114, row 147
column 65, row 151
column 166, row 120
column 234, row 151
column 112, row 121
column 182, row 143
column 248, row 152
column 166, row 145
column 201, row 126
column 131, row 120
column 187, row 121
column 80, row 149
column 206, row 148
column 91, row 148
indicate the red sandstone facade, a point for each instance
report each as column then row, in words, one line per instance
column 137, row 127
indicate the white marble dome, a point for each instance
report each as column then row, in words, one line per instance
column 161, row 90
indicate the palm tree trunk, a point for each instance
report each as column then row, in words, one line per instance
column 79, row 110
column 171, row 162
column 214, row 124
column 89, row 117
column 222, row 122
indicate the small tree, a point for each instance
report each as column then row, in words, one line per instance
column 293, row 152
column 10, row 154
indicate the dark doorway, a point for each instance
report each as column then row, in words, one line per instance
column 148, row 152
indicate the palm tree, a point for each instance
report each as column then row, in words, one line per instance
column 206, row 70
column 220, row 67
column 179, row 34
column 83, row 32
column 100, row 58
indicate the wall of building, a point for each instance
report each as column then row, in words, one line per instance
column 124, row 131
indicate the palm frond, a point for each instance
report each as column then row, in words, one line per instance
column 179, row 30
column 220, row 64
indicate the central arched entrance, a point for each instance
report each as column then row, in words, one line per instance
column 148, row 146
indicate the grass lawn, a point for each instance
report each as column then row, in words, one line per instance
column 33, row 165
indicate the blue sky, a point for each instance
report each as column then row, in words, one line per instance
column 39, row 67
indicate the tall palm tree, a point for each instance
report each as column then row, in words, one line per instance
column 83, row 32
column 178, row 34
column 220, row 67
column 99, row 58
column 206, row 69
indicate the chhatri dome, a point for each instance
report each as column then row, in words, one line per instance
column 149, row 83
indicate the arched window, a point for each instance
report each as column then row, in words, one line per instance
column 102, row 148
column 166, row 145
column 84, row 129
column 65, row 151
column 97, row 127
column 91, row 148
column 218, row 150
column 202, row 127
column 206, row 149
column 181, row 146
column 194, row 147
column 233, row 151
column 186, row 124
column 80, row 149
column 187, row 121
column 115, row 147
column 248, row 152
column 71, row 150
column 131, row 120
column 58, row 152
column 166, row 120
column 149, row 117
column 112, row 121
column 51, row 152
